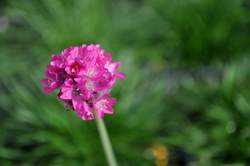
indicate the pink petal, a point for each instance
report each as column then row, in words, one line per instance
column 121, row 75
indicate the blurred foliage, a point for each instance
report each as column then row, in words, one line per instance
column 188, row 81
column 204, row 31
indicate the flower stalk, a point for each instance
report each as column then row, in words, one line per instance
column 107, row 147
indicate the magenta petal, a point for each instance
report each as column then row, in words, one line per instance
column 69, row 82
column 67, row 90
column 88, row 116
column 83, row 110
column 81, row 71
column 46, row 87
column 86, row 86
column 78, row 105
column 105, row 81
column 55, row 77
column 49, row 85
column 68, row 69
column 74, row 52
column 112, row 67
column 121, row 75
column 57, row 61
column 104, row 105
column 66, row 93
column 74, row 68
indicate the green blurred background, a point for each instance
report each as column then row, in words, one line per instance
column 186, row 99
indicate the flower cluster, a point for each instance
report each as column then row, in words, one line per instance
column 85, row 75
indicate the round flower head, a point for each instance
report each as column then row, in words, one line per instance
column 85, row 76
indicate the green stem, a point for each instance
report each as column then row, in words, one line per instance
column 106, row 142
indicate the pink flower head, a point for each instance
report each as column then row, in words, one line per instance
column 85, row 76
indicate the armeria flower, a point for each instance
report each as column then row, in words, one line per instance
column 84, row 76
